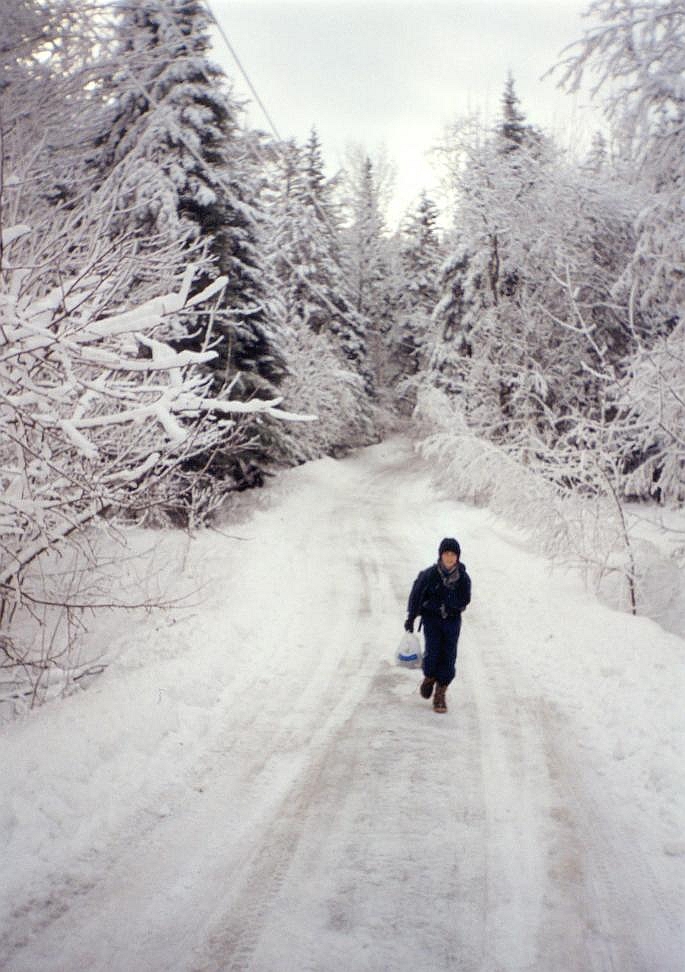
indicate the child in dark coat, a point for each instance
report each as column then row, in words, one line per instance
column 439, row 595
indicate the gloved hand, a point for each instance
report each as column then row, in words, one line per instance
column 409, row 624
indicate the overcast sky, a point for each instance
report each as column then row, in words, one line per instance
column 393, row 73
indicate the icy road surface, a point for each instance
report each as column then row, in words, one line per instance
column 253, row 785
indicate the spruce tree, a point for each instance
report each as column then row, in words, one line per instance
column 365, row 251
column 367, row 262
column 172, row 113
column 525, row 323
column 309, row 285
column 512, row 129
column 174, row 133
column 420, row 258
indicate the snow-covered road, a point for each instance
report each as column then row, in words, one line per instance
column 254, row 785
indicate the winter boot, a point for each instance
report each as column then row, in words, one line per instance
column 426, row 687
column 439, row 704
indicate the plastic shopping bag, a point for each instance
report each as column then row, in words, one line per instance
column 409, row 653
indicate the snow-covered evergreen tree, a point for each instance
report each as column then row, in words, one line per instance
column 513, row 130
column 309, row 288
column 306, row 250
column 526, row 328
column 480, row 355
column 172, row 113
column 419, row 258
column 366, row 257
column 365, row 252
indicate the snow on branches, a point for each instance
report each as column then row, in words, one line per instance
column 93, row 405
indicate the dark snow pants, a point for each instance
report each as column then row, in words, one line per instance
column 440, row 653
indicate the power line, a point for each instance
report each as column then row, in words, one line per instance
column 315, row 202
column 255, row 150
column 242, row 69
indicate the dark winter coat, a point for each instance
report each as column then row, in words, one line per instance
column 431, row 597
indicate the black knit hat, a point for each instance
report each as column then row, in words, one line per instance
column 449, row 543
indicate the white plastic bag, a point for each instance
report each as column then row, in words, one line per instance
column 409, row 653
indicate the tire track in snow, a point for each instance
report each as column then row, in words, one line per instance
column 376, row 881
column 329, row 690
column 514, row 790
column 260, row 873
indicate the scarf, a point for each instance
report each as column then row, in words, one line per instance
column 450, row 578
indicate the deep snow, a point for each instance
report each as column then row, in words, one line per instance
column 253, row 785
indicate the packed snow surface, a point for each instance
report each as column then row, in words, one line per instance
column 252, row 784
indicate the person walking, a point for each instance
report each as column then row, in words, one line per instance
column 438, row 596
